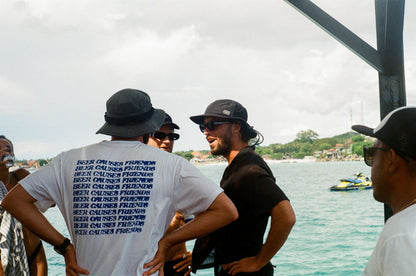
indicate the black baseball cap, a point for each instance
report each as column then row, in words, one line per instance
column 168, row 122
column 397, row 129
column 227, row 109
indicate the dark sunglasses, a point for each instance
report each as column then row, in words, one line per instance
column 162, row 136
column 211, row 125
column 369, row 153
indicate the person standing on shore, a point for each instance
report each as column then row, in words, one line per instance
column 164, row 139
column 250, row 184
column 392, row 159
column 14, row 260
column 117, row 197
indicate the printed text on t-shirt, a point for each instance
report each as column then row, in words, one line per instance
column 111, row 197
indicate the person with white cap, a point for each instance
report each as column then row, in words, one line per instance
column 250, row 184
column 393, row 172
column 117, row 197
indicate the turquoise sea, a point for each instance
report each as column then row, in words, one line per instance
column 335, row 232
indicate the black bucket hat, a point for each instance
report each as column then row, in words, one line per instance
column 168, row 122
column 227, row 109
column 397, row 129
column 130, row 114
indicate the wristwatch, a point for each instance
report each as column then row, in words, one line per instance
column 60, row 249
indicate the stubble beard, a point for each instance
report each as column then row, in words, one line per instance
column 223, row 144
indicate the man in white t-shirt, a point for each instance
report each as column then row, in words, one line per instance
column 393, row 171
column 117, row 197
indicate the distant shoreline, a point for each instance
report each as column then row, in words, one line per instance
column 281, row 161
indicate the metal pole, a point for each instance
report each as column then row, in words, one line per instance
column 339, row 32
column 392, row 91
column 388, row 59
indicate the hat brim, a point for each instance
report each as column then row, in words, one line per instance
column 136, row 129
column 199, row 119
column 364, row 130
column 175, row 126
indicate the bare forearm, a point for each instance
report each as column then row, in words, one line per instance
column 221, row 212
column 21, row 206
column 282, row 221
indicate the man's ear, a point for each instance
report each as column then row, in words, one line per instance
column 236, row 127
column 394, row 162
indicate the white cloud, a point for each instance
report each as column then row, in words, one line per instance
column 27, row 149
column 60, row 63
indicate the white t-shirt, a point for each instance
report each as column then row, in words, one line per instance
column 395, row 252
column 117, row 199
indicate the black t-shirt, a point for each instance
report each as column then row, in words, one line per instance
column 250, row 184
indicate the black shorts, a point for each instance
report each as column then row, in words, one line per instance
column 267, row 270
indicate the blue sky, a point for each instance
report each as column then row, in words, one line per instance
column 61, row 62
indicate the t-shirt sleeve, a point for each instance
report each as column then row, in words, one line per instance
column 194, row 191
column 257, row 186
column 41, row 184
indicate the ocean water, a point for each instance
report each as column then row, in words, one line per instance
column 334, row 234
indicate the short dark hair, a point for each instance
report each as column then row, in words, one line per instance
column 247, row 132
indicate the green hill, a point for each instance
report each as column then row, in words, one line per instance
column 308, row 143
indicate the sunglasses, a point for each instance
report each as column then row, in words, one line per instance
column 162, row 136
column 211, row 125
column 369, row 153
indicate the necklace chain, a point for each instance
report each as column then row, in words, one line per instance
column 407, row 205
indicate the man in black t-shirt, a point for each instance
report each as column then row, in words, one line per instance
column 249, row 183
